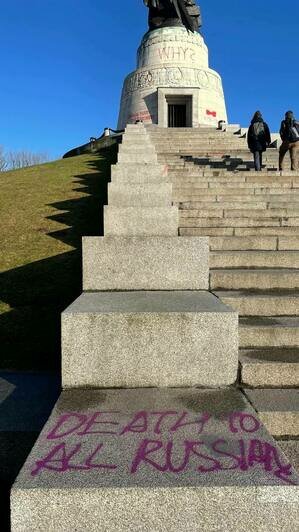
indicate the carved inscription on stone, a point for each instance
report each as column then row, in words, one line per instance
column 170, row 35
column 172, row 77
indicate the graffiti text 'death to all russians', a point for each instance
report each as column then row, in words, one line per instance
column 157, row 448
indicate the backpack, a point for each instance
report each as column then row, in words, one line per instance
column 258, row 129
column 293, row 132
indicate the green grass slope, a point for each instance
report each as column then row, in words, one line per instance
column 44, row 211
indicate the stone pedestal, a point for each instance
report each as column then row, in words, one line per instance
column 172, row 69
column 148, row 339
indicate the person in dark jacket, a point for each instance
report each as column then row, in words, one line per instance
column 258, row 139
column 289, row 133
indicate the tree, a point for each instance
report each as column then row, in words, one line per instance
column 23, row 159
column 14, row 160
column 3, row 160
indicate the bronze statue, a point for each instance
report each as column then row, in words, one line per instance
column 163, row 13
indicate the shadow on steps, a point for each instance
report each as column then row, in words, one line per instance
column 227, row 163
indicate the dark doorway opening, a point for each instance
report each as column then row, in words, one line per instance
column 177, row 115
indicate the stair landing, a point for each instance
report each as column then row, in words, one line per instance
column 136, row 460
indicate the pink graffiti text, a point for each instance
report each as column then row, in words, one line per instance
column 173, row 457
column 143, row 422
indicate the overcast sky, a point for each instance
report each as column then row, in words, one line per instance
column 63, row 63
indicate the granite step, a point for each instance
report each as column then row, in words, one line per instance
column 206, row 231
column 284, row 185
column 131, row 174
column 254, row 259
column 267, row 331
column 142, row 157
column 155, row 460
column 255, row 280
column 271, row 212
column 277, row 409
column 198, row 140
column 197, row 136
column 129, row 170
column 288, row 243
column 138, row 139
column 149, row 338
column 196, row 171
column 208, row 196
column 278, row 199
column 236, row 243
column 187, row 220
column 198, row 205
column 188, row 177
column 140, row 195
column 225, row 157
column 291, row 450
column 234, row 189
column 249, row 211
column 202, row 148
column 261, row 303
column 132, row 148
column 135, row 139
column 152, row 263
column 215, row 211
column 285, row 234
column 274, row 367
column 177, row 140
column 237, row 195
column 140, row 221
column 267, row 231
column 237, row 164
column 280, row 188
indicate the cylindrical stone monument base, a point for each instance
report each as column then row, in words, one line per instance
column 173, row 84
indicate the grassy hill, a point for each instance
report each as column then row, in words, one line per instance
column 45, row 210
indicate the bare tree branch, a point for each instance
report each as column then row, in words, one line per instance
column 3, row 160
column 15, row 160
column 23, row 159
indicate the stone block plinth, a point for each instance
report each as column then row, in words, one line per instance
column 155, row 460
column 141, row 221
column 140, row 195
column 139, row 173
column 153, row 263
column 142, row 339
column 132, row 156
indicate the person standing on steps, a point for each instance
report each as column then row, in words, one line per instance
column 258, row 138
column 289, row 132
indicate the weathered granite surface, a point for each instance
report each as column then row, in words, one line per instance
column 175, row 61
column 153, row 263
column 155, row 460
column 140, row 195
column 141, row 221
column 143, row 339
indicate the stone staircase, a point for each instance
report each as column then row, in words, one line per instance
column 151, row 432
column 252, row 220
